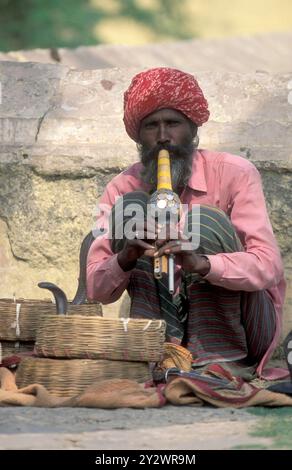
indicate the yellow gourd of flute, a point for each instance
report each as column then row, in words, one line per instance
column 163, row 171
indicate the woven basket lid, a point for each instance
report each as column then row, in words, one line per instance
column 20, row 318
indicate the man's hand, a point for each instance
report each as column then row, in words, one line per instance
column 183, row 251
column 142, row 244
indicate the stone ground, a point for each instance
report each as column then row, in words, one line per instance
column 166, row 428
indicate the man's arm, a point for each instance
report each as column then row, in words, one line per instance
column 106, row 281
column 108, row 274
column 260, row 265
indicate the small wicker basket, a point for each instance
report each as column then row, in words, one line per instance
column 69, row 377
column 19, row 319
column 100, row 338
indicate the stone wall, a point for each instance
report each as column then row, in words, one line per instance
column 270, row 52
column 62, row 139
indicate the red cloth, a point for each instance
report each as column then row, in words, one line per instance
column 10, row 361
column 161, row 88
column 14, row 360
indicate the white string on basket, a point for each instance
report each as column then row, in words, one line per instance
column 17, row 329
column 125, row 322
column 160, row 324
column 147, row 325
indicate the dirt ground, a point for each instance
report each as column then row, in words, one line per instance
column 166, row 428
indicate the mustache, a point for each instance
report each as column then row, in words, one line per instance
column 175, row 151
column 181, row 157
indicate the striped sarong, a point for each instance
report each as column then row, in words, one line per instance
column 215, row 324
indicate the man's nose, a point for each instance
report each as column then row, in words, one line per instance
column 163, row 135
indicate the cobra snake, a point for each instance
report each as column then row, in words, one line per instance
column 80, row 296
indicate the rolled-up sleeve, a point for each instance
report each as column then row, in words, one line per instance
column 106, row 281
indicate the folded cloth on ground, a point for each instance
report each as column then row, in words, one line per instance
column 215, row 386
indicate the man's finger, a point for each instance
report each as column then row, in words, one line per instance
column 150, row 252
column 150, row 235
column 142, row 244
column 169, row 246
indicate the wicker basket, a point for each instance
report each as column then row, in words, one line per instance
column 100, row 338
column 69, row 377
column 20, row 319
column 11, row 348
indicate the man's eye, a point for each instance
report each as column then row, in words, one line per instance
column 150, row 125
column 173, row 123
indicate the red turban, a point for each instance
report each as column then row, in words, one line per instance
column 160, row 88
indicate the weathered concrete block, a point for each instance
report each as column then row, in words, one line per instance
column 62, row 139
column 269, row 52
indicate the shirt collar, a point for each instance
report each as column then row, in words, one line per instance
column 197, row 179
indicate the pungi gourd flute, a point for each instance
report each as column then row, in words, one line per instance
column 165, row 203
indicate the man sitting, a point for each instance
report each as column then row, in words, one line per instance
column 229, row 291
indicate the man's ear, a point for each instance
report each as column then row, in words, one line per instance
column 194, row 129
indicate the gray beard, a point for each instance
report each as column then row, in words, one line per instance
column 181, row 160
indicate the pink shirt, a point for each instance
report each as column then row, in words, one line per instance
column 231, row 183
